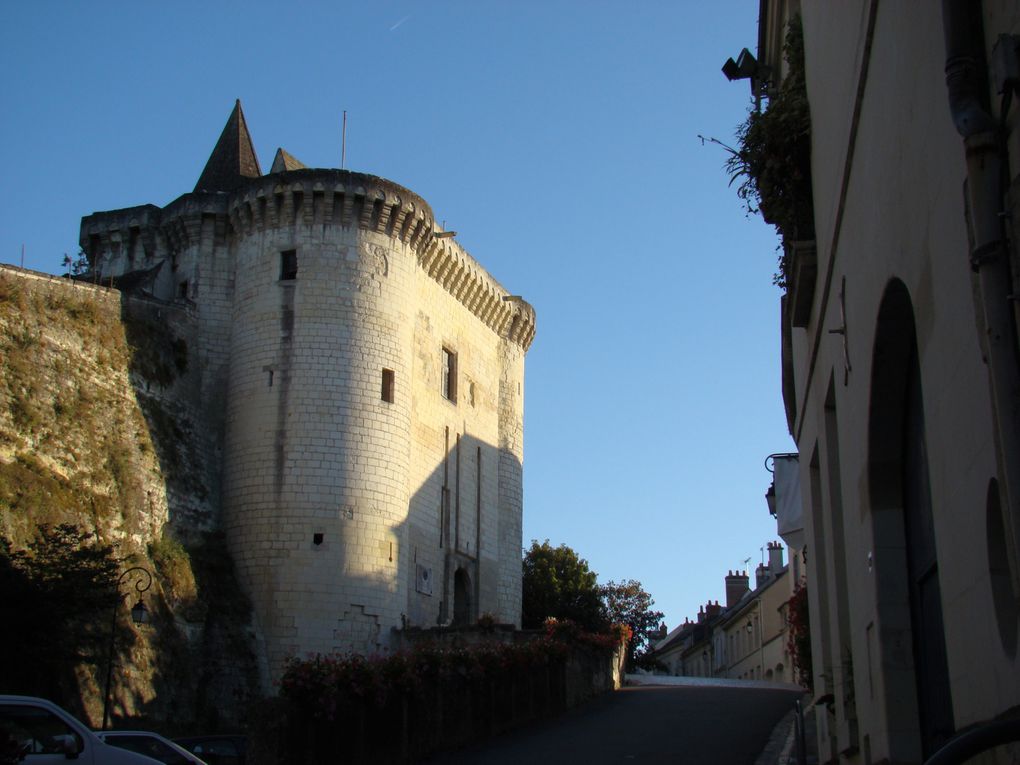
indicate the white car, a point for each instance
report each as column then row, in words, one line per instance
column 35, row 731
column 151, row 745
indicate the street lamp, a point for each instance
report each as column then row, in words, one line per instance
column 139, row 615
column 745, row 67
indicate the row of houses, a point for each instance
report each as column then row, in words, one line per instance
column 744, row 639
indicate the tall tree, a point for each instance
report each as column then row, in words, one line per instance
column 628, row 603
column 558, row 583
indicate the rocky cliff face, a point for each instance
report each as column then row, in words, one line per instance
column 100, row 428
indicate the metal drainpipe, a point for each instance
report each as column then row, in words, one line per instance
column 761, row 639
column 965, row 82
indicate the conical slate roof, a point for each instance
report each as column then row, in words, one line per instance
column 233, row 159
column 284, row 161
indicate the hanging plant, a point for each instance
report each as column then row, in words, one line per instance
column 773, row 161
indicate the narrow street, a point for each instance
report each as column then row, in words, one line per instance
column 688, row 721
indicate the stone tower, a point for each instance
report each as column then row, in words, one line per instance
column 362, row 376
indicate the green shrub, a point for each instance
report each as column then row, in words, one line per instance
column 173, row 567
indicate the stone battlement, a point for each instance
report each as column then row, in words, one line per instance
column 459, row 274
column 332, row 197
column 324, row 197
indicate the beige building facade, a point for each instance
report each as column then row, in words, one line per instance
column 686, row 651
column 751, row 636
column 899, row 334
column 363, row 379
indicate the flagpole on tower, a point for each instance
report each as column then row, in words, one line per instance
column 343, row 143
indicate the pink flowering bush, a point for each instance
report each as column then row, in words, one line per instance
column 396, row 707
column 322, row 684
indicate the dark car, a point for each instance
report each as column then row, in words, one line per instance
column 217, row 749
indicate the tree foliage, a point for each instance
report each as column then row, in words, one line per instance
column 76, row 266
column 628, row 603
column 558, row 584
column 57, row 596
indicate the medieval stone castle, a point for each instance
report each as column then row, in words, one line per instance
column 361, row 381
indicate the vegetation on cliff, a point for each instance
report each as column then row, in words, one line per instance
column 74, row 448
column 94, row 455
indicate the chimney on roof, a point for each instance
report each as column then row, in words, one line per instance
column 775, row 558
column 712, row 610
column 701, row 614
column 761, row 575
column 736, row 587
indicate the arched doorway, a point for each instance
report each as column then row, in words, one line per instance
column 461, row 598
column 908, row 596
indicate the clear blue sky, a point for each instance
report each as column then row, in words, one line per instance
column 558, row 138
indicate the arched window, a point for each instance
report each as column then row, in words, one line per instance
column 904, row 537
column 461, row 598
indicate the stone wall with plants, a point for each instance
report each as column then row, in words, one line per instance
column 104, row 466
column 432, row 697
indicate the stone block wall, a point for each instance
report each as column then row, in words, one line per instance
column 316, row 477
column 454, row 479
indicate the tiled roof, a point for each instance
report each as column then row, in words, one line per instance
column 284, row 161
column 233, row 159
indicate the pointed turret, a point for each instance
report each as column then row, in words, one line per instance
column 284, row 161
column 233, row 160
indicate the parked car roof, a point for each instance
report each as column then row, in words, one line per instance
column 152, row 745
column 217, row 748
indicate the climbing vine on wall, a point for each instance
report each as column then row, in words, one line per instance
column 798, row 636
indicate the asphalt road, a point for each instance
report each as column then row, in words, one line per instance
column 706, row 722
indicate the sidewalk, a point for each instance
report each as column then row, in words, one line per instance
column 781, row 748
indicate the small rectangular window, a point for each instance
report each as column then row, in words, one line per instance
column 387, row 385
column 288, row 265
column 182, row 289
column 449, row 375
